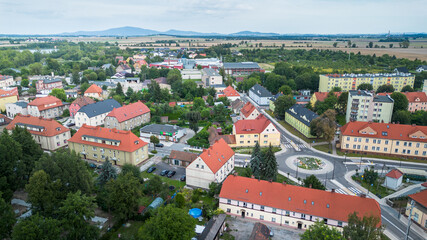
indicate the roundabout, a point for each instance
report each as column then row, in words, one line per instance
column 309, row 164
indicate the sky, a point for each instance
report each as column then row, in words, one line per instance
column 221, row 16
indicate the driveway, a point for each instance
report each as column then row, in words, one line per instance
column 164, row 166
column 241, row 229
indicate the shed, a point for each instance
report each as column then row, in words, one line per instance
column 393, row 179
column 156, row 203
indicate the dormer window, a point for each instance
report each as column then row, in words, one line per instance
column 136, row 142
column 58, row 129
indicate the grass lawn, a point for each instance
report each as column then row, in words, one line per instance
column 249, row 150
column 128, row 232
column 340, row 153
column 247, row 173
column 376, row 189
column 323, row 147
column 175, row 183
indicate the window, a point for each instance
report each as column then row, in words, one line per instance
column 378, row 148
column 397, row 143
column 367, row 140
column 416, row 152
column 262, row 208
column 228, row 201
column 302, row 216
column 409, row 151
column 386, row 141
column 366, row 147
column 94, row 148
column 305, row 201
column 385, row 149
column 346, row 146
column 418, row 145
column 287, row 223
column 287, row 213
column 95, row 155
column 197, row 165
column 273, row 219
column 327, row 205
column 339, row 224
column 228, row 210
column 245, row 204
column 348, row 138
column 274, row 210
column 265, row 136
column 261, row 217
column 405, row 144
column 375, row 140
column 396, row 150
column 379, row 141
column 416, row 216
column 373, row 148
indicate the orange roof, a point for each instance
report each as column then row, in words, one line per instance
column 47, row 102
column 413, row 96
column 395, row 173
column 83, row 101
column 8, row 93
column 385, row 131
column 127, row 141
column 230, row 92
column 172, row 104
column 94, row 89
column 247, row 109
column 277, row 195
column 217, row 155
column 127, row 112
column 321, row 96
column 420, row 198
column 251, row 126
column 46, row 127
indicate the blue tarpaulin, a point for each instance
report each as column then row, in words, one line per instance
column 195, row 212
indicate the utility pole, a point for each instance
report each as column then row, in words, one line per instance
column 333, row 170
column 409, row 220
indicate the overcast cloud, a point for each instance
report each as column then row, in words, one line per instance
column 222, row 16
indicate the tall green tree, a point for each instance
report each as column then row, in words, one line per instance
column 269, row 170
column 84, row 87
column 320, row 231
column 342, row 103
column 407, row 88
column 282, row 104
column 119, row 90
column 325, row 125
column 363, row 228
column 154, row 140
column 169, row 223
column 132, row 169
column 108, row 172
column 7, row 218
column 10, row 165
column 256, row 161
column 76, row 212
column 193, row 118
column 59, row 93
column 365, row 86
column 402, row 117
column 37, row 227
column 400, row 101
column 313, row 182
column 386, row 88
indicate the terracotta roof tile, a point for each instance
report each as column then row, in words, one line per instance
column 230, row 92
column 128, row 141
column 83, row 101
column 48, row 127
column 247, row 109
column 127, row 112
column 277, row 195
column 8, row 93
column 413, row 96
column 321, row 96
column 420, row 198
column 252, row 126
column 47, row 102
column 217, row 155
column 395, row 173
column 94, row 89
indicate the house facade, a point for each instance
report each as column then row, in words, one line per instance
column 48, row 133
column 249, row 111
column 365, row 106
column 211, row 77
column 248, row 132
column 271, row 104
column 213, row 165
column 98, row 144
column 419, row 212
column 393, row 179
column 94, row 114
column 128, row 117
column 79, row 103
column 288, row 205
column 8, row 96
column 94, row 92
column 6, row 81
column 20, row 107
column 48, row 83
column 416, row 101
column 181, row 158
column 47, row 107
column 384, row 139
column 300, row 118
column 260, row 95
column 164, row 132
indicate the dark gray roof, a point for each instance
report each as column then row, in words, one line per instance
column 241, row 65
column 22, row 104
column 101, row 107
column 384, row 99
column 402, row 69
column 423, row 67
column 210, row 72
column 260, row 91
column 51, row 80
column 359, row 93
column 211, row 230
column 157, row 128
column 301, row 113
column 274, row 98
column 102, row 83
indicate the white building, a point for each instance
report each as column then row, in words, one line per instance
column 94, row 114
column 213, row 165
column 191, row 74
column 6, row 81
column 164, row 132
column 393, row 179
column 18, row 107
column 425, row 86
column 260, row 95
column 211, row 78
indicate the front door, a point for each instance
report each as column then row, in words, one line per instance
column 243, row 213
column 299, row 225
column 115, row 162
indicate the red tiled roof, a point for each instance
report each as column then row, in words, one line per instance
column 420, row 197
column 83, row 101
column 47, row 102
column 49, row 127
column 129, row 142
column 127, row 112
column 276, row 195
column 172, row 104
column 230, row 92
column 12, row 92
column 321, row 96
column 395, row 173
column 424, row 184
column 217, row 155
column 6, row 120
column 412, row 96
column 247, row 109
column 183, row 156
column 384, row 131
column 94, row 89
column 252, row 126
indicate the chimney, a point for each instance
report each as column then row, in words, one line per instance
column 284, row 182
column 310, row 186
column 252, row 176
column 270, row 180
column 333, row 190
column 236, row 174
column 363, row 195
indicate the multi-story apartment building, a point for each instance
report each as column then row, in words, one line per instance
column 48, row 83
column 6, row 81
column 19, row 107
column 351, row 81
column 79, row 103
column 248, row 132
column 8, row 96
column 419, row 212
column 94, row 92
column 289, row 205
column 98, row 144
column 211, row 78
column 48, row 133
column 94, row 114
column 300, row 118
column 128, row 117
column 213, row 165
column 385, row 139
column 260, row 95
column 47, row 107
column 416, row 101
column 365, row 106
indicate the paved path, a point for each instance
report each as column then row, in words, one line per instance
column 404, row 191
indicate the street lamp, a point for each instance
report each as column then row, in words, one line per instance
column 297, row 169
column 333, row 170
column 360, row 163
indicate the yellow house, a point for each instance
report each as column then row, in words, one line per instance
column 10, row 96
column 419, row 212
column 98, row 144
column 250, row 131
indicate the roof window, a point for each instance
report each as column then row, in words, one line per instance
column 327, row 205
column 260, row 193
column 247, row 190
column 289, row 198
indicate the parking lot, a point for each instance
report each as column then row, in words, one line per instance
column 164, row 166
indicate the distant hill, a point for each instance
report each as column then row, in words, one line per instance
column 249, row 33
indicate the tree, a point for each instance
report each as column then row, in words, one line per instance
column 269, row 170
column 37, row 227
column 329, row 103
column 335, row 44
column 370, row 175
column 282, row 104
column 363, row 228
column 7, row 218
column 10, row 165
column 336, row 89
column 169, row 223
column 75, row 77
column 386, row 88
column 342, row 102
column 59, row 93
column 256, row 161
column 108, row 172
column 119, row 90
column 77, row 209
column 404, row 44
column 400, row 101
column 419, row 118
column 124, row 194
column 407, row 88
column 324, row 125
column 154, row 185
column 84, row 87
column 313, row 182
column 198, row 103
column 25, row 83
column 371, row 44
column 129, row 92
column 193, row 118
column 402, row 117
column 320, row 231
column 134, row 170
column 285, row 90
column 154, row 140
column 365, row 86
column 180, row 200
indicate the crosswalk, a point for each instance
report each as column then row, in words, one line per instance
column 339, row 190
column 288, row 145
column 354, row 190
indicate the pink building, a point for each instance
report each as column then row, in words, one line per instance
column 48, row 84
column 79, row 103
column 417, row 101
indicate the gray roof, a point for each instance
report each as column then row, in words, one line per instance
column 241, row 65
column 211, row 230
column 423, row 67
column 359, row 93
column 102, row 83
column 157, row 128
column 367, row 75
column 101, row 107
column 384, row 99
column 402, row 69
column 211, row 72
column 22, row 104
column 302, row 114
column 274, row 98
column 260, row 91
column 51, row 80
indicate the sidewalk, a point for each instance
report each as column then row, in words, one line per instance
column 154, row 160
column 403, row 191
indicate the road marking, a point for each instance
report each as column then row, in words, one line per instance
column 397, row 227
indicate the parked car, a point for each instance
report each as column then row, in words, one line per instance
column 151, row 169
column 164, row 172
column 159, row 145
column 171, row 174
column 71, row 124
column 182, row 178
column 92, row 165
